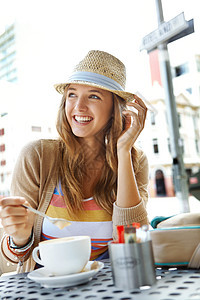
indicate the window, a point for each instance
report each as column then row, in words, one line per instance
column 160, row 183
column 179, row 120
column 2, row 147
column 189, row 90
column 198, row 63
column 2, row 177
column 153, row 119
column 155, row 146
column 36, row 128
column 182, row 69
column 1, row 131
column 197, row 146
column 169, row 145
column 3, row 162
column 181, row 144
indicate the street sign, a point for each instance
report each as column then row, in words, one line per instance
column 183, row 33
column 165, row 31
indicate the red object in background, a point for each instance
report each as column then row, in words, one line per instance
column 155, row 67
column 136, row 225
column 120, row 233
column 193, row 180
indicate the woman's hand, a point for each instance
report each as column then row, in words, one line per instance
column 134, row 124
column 16, row 220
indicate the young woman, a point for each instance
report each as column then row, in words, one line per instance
column 93, row 175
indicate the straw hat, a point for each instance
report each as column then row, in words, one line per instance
column 102, row 70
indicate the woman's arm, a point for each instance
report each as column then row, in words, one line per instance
column 128, row 194
column 137, row 213
column 27, row 172
column 17, row 221
column 132, row 194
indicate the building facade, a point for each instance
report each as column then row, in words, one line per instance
column 185, row 70
column 17, row 129
column 8, row 68
column 186, row 76
column 155, row 141
column 23, row 117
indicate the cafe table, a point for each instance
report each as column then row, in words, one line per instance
column 171, row 284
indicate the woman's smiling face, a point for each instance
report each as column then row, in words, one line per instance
column 88, row 109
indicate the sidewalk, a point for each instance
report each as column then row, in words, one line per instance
column 167, row 206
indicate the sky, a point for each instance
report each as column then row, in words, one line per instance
column 71, row 28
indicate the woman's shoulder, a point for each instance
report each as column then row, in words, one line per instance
column 40, row 147
column 49, row 144
column 42, row 143
column 139, row 153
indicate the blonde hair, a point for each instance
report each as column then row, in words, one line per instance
column 71, row 160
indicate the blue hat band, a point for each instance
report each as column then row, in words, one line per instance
column 96, row 78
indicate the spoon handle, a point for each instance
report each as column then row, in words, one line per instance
column 35, row 211
column 60, row 223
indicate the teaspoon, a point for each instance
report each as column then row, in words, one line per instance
column 60, row 223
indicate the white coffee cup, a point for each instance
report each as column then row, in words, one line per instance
column 63, row 256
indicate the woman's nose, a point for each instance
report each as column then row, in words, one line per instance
column 81, row 104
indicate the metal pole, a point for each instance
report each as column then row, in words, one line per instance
column 178, row 169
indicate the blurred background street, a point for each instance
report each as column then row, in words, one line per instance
column 169, row 206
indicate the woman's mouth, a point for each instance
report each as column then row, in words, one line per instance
column 83, row 119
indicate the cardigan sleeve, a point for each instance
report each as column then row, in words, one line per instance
column 26, row 174
column 25, row 183
column 34, row 177
column 138, row 213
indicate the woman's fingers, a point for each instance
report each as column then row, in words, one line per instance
column 139, row 106
column 135, row 117
column 11, row 206
column 12, row 213
column 12, row 210
column 138, row 100
column 6, row 201
column 16, row 220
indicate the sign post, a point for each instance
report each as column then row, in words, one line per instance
column 167, row 32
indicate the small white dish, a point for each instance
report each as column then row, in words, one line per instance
column 43, row 277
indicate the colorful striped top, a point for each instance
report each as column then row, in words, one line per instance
column 92, row 221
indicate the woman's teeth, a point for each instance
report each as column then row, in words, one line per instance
column 82, row 119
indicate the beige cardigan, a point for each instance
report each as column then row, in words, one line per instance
column 34, row 178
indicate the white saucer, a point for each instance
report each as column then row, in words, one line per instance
column 42, row 276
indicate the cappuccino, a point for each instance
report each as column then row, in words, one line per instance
column 63, row 256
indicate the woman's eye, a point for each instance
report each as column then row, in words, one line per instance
column 94, row 97
column 71, row 95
